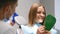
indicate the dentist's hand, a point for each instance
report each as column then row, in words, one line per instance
column 12, row 24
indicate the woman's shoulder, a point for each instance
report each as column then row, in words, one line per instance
column 26, row 29
column 53, row 31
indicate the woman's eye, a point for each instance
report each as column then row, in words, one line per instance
column 38, row 12
column 44, row 13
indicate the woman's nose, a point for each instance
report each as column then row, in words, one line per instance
column 42, row 15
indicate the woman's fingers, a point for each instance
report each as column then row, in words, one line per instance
column 47, row 32
column 41, row 29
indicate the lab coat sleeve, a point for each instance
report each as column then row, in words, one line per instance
column 19, row 31
column 20, row 20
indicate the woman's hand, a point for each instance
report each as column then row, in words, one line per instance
column 41, row 30
column 47, row 32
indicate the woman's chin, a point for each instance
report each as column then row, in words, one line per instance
column 40, row 21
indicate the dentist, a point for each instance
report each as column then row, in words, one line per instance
column 7, row 8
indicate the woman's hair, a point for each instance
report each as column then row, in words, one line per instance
column 5, row 2
column 33, row 11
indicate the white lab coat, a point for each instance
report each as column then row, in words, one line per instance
column 6, row 28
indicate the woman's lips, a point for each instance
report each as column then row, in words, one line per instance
column 41, row 17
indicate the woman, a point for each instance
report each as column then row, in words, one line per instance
column 36, row 18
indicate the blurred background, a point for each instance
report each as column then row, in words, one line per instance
column 52, row 7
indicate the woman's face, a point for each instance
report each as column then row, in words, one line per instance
column 40, row 15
